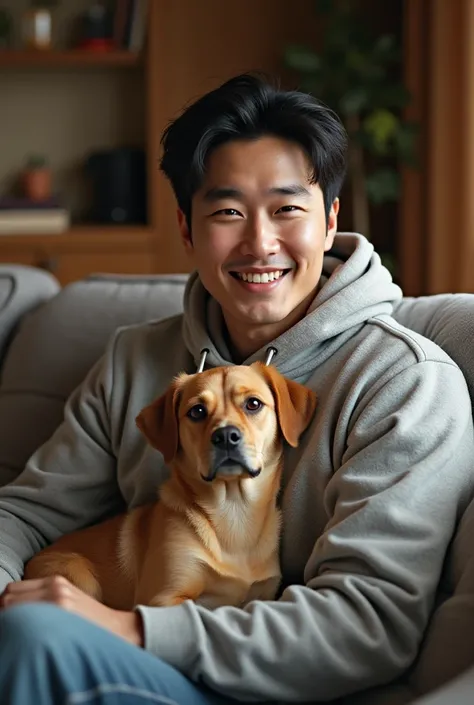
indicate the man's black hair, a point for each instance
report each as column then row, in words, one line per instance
column 244, row 108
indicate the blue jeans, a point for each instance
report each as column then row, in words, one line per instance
column 51, row 657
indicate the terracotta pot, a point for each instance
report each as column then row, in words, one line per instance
column 37, row 184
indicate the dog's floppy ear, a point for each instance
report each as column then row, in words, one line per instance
column 159, row 421
column 295, row 403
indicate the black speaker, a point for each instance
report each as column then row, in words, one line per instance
column 118, row 186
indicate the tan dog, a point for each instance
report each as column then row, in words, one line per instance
column 213, row 537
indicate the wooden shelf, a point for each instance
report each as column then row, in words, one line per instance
column 17, row 58
column 79, row 236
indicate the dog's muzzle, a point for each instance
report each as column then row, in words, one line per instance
column 227, row 456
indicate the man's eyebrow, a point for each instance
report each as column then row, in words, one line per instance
column 218, row 193
column 290, row 190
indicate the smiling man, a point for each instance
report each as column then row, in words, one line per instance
column 369, row 499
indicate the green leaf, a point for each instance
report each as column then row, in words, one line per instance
column 355, row 60
column 385, row 49
column 382, row 126
column 384, row 44
column 383, row 185
column 302, row 59
column 354, row 101
column 394, row 96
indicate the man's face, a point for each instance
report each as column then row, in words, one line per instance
column 259, row 233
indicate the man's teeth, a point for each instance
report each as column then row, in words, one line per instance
column 263, row 278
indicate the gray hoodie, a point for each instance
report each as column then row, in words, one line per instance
column 370, row 498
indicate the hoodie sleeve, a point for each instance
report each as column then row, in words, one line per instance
column 69, row 482
column 371, row 578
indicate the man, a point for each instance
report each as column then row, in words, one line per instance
column 370, row 498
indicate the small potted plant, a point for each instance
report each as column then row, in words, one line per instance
column 37, row 178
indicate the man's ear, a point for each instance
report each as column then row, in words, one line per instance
column 159, row 421
column 185, row 232
column 295, row 403
column 332, row 225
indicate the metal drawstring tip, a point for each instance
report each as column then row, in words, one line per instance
column 271, row 352
column 202, row 361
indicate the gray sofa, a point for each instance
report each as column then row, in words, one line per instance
column 50, row 337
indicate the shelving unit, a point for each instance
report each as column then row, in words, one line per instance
column 47, row 76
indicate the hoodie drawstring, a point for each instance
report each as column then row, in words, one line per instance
column 270, row 354
column 202, row 361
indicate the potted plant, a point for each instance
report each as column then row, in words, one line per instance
column 37, row 178
column 355, row 73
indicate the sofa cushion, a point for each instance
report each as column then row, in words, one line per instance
column 58, row 343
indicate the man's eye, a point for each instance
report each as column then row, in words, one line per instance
column 288, row 209
column 253, row 404
column 198, row 412
column 227, row 211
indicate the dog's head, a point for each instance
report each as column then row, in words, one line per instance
column 228, row 422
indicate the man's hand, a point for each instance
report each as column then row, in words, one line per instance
column 59, row 591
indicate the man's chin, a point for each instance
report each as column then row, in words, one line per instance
column 262, row 315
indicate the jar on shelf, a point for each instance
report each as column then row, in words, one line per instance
column 38, row 25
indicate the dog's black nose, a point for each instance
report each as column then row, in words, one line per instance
column 226, row 437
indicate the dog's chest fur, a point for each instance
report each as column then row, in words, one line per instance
column 245, row 543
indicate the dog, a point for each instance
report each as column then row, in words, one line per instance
column 213, row 534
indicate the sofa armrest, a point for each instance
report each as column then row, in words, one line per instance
column 22, row 289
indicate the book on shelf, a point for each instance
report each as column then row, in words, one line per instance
column 9, row 203
column 21, row 216
column 130, row 22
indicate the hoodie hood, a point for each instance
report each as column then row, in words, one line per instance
column 354, row 287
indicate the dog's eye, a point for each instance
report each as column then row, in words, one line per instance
column 253, row 404
column 198, row 412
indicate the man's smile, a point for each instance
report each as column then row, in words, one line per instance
column 257, row 281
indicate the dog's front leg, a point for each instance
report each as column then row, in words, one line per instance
column 76, row 568
column 182, row 583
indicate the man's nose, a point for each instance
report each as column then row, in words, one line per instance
column 260, row 239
